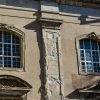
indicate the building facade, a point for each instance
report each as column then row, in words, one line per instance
column 50, row 50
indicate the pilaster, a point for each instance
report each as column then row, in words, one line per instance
column 51, row 22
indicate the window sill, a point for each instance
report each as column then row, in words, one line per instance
column 13, row 69
column 89, row 73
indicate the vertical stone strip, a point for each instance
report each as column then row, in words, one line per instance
column 52, row 55
column 51, row 22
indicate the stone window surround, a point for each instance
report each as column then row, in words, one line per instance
column 91, row 35
column 21, row 34
column 11, row 98
column 10, row 90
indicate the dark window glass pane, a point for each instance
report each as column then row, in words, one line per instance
column 89, row 59
column 87, row 44
column 87, row 53
column 82, row 54
column 7, row 61
column 99, row 45
column 96, row 67
column 16, row 50
column 7, row 37
column 89, row 68
column 94, row 45
column 83, row 67
column 83, row 63
column 82, row 51
column 1, row 62
column 7, row 49
column 81, row 44
column 89, row 64
column 0, row 45
column 15, row 39
column 95, row 56
column 82, row 58
column 0, row 36
column 0, row 49
column 16, row 62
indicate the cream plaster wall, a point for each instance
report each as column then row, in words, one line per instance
column 69, row 32
column 26, row 20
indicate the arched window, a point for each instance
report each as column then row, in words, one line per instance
column 89, row 53
column 13, row 88
column 10, row 49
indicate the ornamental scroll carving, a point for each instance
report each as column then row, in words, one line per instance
column 52, row 49
column 92, row 35
column 52, row 39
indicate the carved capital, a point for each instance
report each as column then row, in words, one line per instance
column 51, row 23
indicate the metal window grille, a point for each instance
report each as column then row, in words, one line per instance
column 9, row 50
column 90, row 55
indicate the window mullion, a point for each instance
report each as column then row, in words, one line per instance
column 3, row 47
column 91, row 55
column 98, row 54
column 11, row 52
column 85, row 61
column 84, row 56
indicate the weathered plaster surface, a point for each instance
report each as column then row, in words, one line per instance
column 45, row 34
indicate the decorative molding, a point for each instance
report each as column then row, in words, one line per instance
column 92, row 36
column 52, row 43
column 12, row 86
column 92, row 88
column 54, row 79
column 87, row 3
column 13, row 83
column 51, row 23
column 12, row 28
column 22, row 37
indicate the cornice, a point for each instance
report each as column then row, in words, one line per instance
column 51, row 23
column 83, row 3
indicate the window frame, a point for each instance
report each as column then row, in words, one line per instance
column 77, row 43
column 11, row 97
column 12, row 90
column 21, row 35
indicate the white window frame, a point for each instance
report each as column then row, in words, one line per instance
column 3, row 43
column 84, row 36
